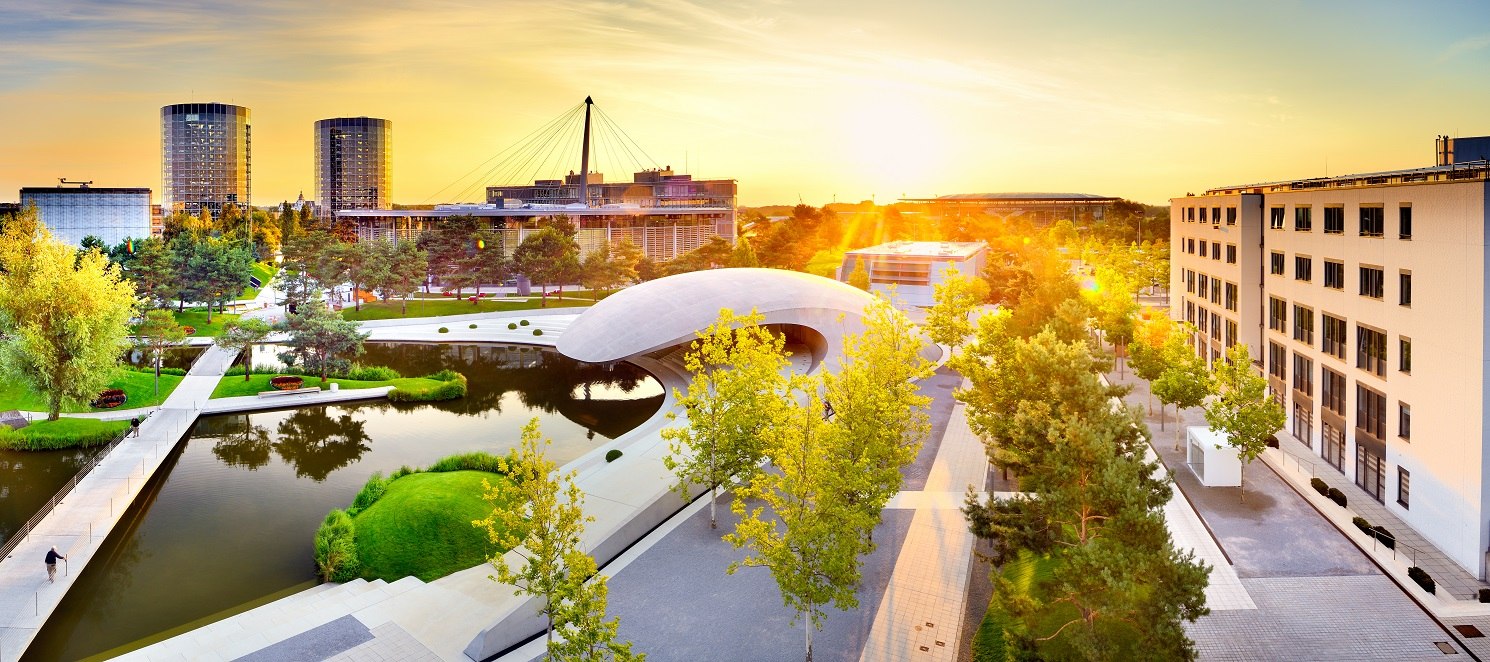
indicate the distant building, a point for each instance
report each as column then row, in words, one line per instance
column 648, row 188
column 111, row 214
column 8, row 208
column 1038, row 208
column 1453, row 151
column 205, row 157
column 353, row 163
column 915, row 268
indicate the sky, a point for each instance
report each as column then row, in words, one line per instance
column 798, row 101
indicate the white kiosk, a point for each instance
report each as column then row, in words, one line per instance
column 1212, row 457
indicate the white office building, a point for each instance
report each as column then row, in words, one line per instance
column 914, row 268
column 1364, row 298
column 111, row 214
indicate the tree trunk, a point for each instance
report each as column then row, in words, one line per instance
column 157, row 374
column 476, row 301
column 209, row 312
column 543, row 303
column 807, row 627
column 54, row 406
column 247, row 364
column 406, row 305
column 1179, row 430
column 713, row 498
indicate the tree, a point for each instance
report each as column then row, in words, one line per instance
column 737, row 383
column 65, row 318
column 956, row 296
column 540, row 514
column 1242, row 409
column 362, row 262
column 242, row 334
column 1185, row 382
column 599, row 271
column 744, row 254
column 152, row 269
column 548, row 256
column 1146, row 354
column 157, row 333
column 408, row 267
column 812, row 538
column 447, row 244
column 319, row 338
column 627, row 258
column 859, row 277
column 224, row 269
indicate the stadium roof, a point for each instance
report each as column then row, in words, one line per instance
column 1015, row 197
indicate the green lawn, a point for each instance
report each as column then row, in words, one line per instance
column 264, row 271
column 825, row 262
column 138, row 386
column 422, row 526
column 197, row 319
column 61, row 433
column 379, row 310
column 235, row 385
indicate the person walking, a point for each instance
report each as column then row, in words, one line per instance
column 52, row 557
column 134, row 426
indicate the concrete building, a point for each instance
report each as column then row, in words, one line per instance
column 111, row 214
column 915, row 268
column 353, row 169
column 1364, row 299
column 1040, row 208
column 205, row 157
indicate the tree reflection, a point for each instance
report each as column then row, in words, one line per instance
column 317, row 443
column 243, row 444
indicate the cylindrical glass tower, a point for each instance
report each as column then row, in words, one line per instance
column 352, row 163
column 205, row 162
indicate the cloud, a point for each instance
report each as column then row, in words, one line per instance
column 1465, row 46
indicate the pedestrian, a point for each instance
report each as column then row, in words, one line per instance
column 134, row 426
column 52, row 557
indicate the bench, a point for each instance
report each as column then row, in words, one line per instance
column 293, row 391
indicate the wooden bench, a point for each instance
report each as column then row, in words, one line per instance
column 293, row 391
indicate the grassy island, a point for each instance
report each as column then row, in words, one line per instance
column 61, row 433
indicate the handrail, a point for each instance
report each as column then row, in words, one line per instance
column 24, row 531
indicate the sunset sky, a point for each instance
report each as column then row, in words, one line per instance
column 817, row 100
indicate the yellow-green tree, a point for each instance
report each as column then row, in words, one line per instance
column 1242, row 409
column 158, row 332
column 737, row 368
column 540, row 513
column 859, row 277
column 947, row 321
column 65, row 316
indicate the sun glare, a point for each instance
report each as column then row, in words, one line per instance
column 896, row 144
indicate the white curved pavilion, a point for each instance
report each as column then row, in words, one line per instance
column 671, row 311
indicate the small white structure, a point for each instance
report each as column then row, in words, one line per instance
column 1212, row 457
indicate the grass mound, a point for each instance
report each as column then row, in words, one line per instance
column 421, row 526
column 235, row 385
column 61, row 433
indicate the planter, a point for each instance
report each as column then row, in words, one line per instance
column 109, row 399
column 189, row 330
column 287, row 382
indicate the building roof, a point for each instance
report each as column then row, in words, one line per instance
column 496, row 211
column 933, row 249
column 103, row 190
column 671, row 311
column 1473, row 170
column 1016, row 197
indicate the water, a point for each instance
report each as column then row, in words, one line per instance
column 230, row 518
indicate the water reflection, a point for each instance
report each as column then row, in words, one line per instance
column 29, row 478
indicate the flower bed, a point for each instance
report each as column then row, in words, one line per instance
column 287, row 382
column 109, row 399
column 189, row 330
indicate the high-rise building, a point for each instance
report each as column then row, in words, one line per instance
column 72, row 213
column 352, row 163
column 1362, row 298
column 205, row 157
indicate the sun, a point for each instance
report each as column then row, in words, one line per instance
column 895, row 143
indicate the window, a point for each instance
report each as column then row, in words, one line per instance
column 1404, row 354
column 1190, row 312
column 1333, row 446
column 1334, row 220
column 1215, row 326
column 1404, row 222
column 1303, row 268
column 1404, row 481
column 1231, row 296
column 1215, row 250
column 1277, row 361
column 1202, row 321
column 1231, row 334
column 1370, row 471
column 1404, row 290
column 1370, row 411
column 1231, row 215
column 1371, row 350
column 1302, row 220
column 1215, row 215
column 1334, row 336
column 1275, row 218
column 1372, row 282
column 1189, row 281
column 1275, row 264
column 1372, row 223
column 1191, row 213
column 1190, row 246
column 1277, row 314
column 1334, row 274
column 1303, row 375
column 1216, row 291
column 1404, row 420
column 1303, row 325
column 1204, row 286
column 1231, row 253
column 1332, row 390
column 1205, row 248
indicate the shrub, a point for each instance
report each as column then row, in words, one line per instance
column 1363, row 525
column 1421, row 577
column 1320, row 486
column 1485, row 595
column 537, row 332
column 402, row 471
column 1384, row 536
column 444, row 330
column 523, row 322
column 179, row 372
column 372, row 373
column 445, row 375
column 1337, row 496
column 477, row 461
column 473, row 326
column 612, row 455
column 512, row 325
column 371, row 491
column 1272, row 441
column 336, row 548
column 445, row 390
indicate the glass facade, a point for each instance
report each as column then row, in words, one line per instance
column 353, row 157
column 111, row 214
column 205, row 157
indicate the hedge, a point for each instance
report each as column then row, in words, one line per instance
column 179, row 372
column 612, row 455
column 452, row 386
column 371, row 373
column 1337, row 496
column 477, row 461
column 523, row 322
column 371, row 491
column 537, row 332
column 1320, row 486
column 1421, row 577
column 473, row 326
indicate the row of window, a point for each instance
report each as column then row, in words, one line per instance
column 1211, row 248
column 1372, row 218
column 1372, row 280
column 1211, row 323
column 1221, row 293
column 1371, row 344
column 1215, row 215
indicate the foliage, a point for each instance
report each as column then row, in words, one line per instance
column 474, row 461
column 319, row 338
column 152, row 269
column 241, row 335
column 336, row 548
column 437, row 307
column 1243, row 410
column 451, row 389
column 601, row 270
column 859, row 277
column 542, row 512
column 956, row 296
column 420, row 526
column 1184, row 383
column 612, row 455
column 65, row 315
column 549, row 256
column 229, row 388
column 374, row 489
column 61, row 433
column 537, row 332
column 1421, row 578
column 1320, row 486
column 444, row 329
column 734, row 393
column 1337, row 496
column 157, row 333
column 372, row 373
